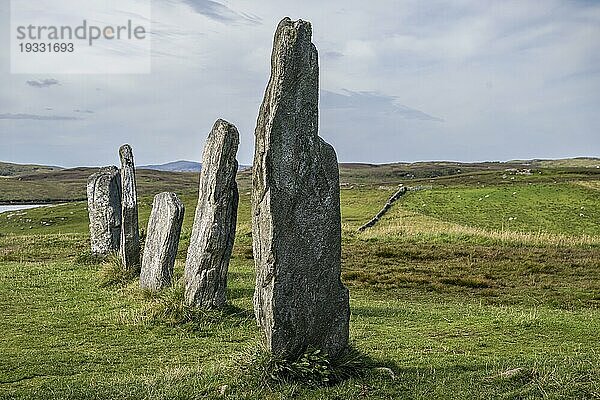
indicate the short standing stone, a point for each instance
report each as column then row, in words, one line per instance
column 104, row 209
column 130, row 234
column 213, row 232
column 299, row 299
column 162, row 241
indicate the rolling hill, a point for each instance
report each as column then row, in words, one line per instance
column 181, row 166
column 12, row 169
column 34, row 184
column 175, row 166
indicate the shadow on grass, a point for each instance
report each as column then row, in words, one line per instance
column 382, row 312
column 241, row 276
column 240, row 293
column 88, row 258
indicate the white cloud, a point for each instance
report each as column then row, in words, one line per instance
column 43, row 83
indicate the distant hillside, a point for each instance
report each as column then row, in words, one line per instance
column 175, row 166
column 181, row 166
column 32, row 183
column 70, row 185
column 455, row 171
column 11, row 169
column 581, row 162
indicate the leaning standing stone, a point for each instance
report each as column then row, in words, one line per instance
column 160, row 249
column 213, row 232
column 299, row 299
column 104, row 209
column 130, row 234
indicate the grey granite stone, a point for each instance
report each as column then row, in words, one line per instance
column 299, row 300
column 130, row 233
column 104, row 210
column 162, row 241
column 214, row 227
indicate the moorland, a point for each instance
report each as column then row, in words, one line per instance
column 485, row 283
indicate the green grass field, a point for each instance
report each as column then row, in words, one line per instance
column 450, row 297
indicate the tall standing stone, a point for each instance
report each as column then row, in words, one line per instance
column 213, row 232
column 162, row 241
column 299, row 299
column 104, row 209
column 130, row 233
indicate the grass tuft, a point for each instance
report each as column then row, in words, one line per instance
column 113, row 273
column 168, row 307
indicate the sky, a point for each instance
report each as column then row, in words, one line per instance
column 400, row 81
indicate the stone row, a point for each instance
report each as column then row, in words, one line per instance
column 299, row 299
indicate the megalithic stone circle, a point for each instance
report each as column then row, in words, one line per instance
column 214, row 226
column 162, row 241
column 300, row 301
column 130, row 233
column 104, row 210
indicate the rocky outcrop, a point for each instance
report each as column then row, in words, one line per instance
column 299, row 299
column 213, row 232
column 104, row 210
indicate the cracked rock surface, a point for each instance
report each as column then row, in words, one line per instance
column 104, row 210
column 130, row 232
column 213, row 232
column 299, row 299
column 162, row 241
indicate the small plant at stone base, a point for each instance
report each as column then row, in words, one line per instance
column 313, row 368
column 113, row 272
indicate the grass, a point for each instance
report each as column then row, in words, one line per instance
column 564, row 208
column 112, row 272
column 445, row 303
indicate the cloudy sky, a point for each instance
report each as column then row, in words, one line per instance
column 400, row 81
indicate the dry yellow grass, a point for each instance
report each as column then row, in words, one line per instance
column 589, row 184
column 403, row 222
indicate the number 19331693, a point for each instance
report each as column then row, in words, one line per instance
column 42, row 47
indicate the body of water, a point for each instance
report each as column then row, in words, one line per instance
column 17, row 207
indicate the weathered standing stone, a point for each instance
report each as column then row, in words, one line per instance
column 104, row 210
column 299, row 299
column 130, row 233
column 160, row 248
column 213, row 232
